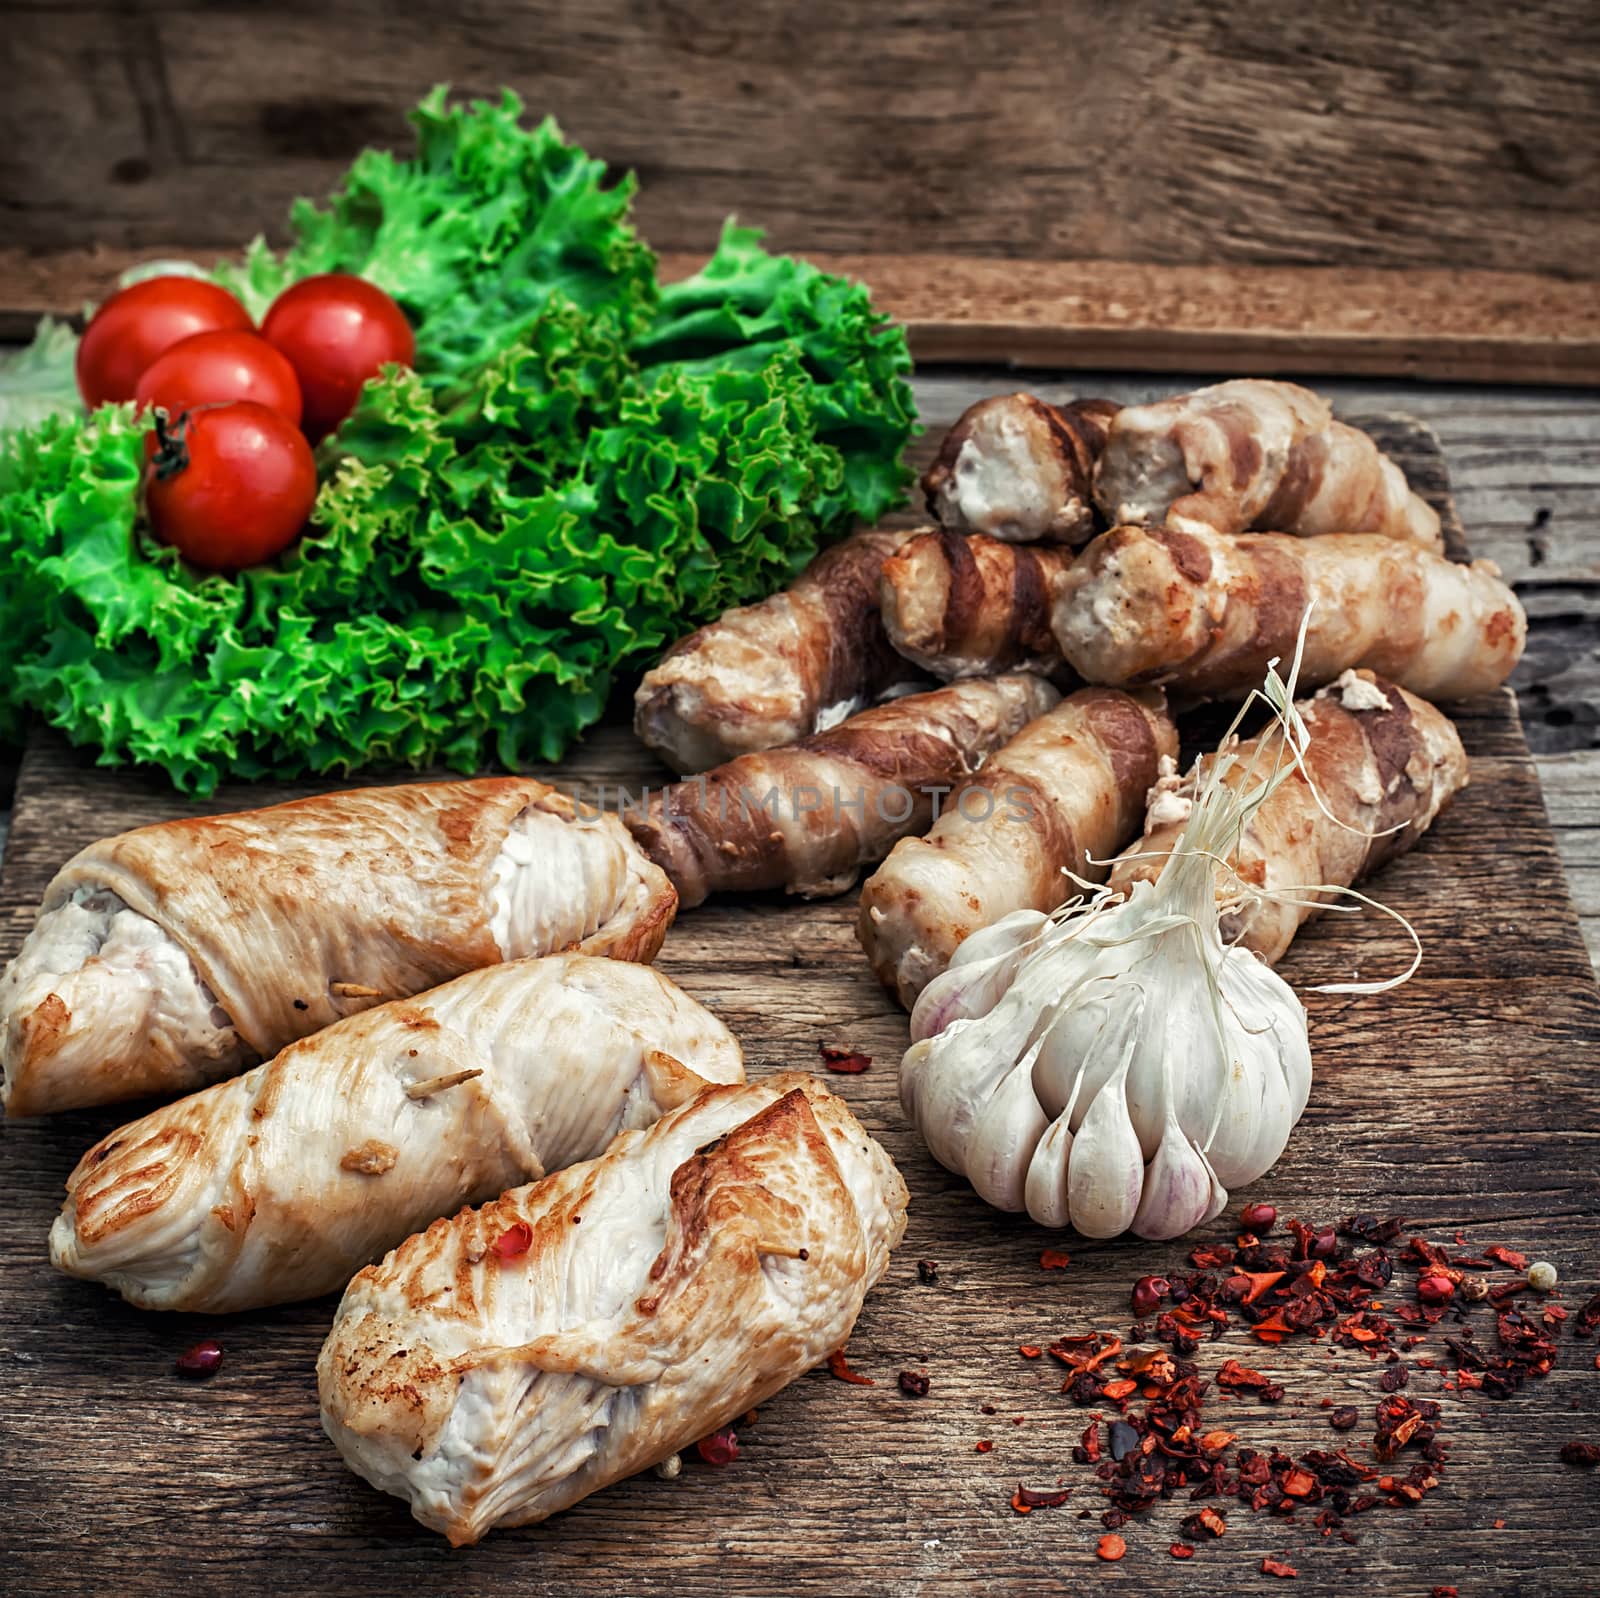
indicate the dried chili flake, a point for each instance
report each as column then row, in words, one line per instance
column 1181, row 1550
column 202, row 1361
column 985, row 1445
column 840, row 1367
column 1445, row 1592
column 1053, row 1259
column 1588, row 1318
column 1394, row 1378
column 1090, row 1443
column 1508, row 1257
column 1025, row 1499
column 1111, row 1546
column 1204, row 1523
column 1122, row 1387
column 913, row 1383
column 720, row 1448
column 927, row 1272
column 845, row 1061
column 1344, row 1417
column 1029, row 1350
column 1578, row 1452
column 1276, row 1567
column 516, row 1240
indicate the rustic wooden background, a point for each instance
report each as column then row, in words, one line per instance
column 1380, row 134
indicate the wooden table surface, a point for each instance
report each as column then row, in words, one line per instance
column 1468, row 1100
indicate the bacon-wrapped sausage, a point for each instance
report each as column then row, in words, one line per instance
column 1384, row 762
column 1204, row 613
column 963, row 605
column 763, row 675
column 1061, row 796
column 1019, row 468
column 1254, row 453
column 807, row 817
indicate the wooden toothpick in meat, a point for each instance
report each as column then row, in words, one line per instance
column 1203, row 613
column 1065, row 793
column 1384, row 762
column 1253, row 453
column 766, row 674
column 960, row 605
column 1019, row 468
column 808, row 816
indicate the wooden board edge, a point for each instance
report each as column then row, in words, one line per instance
column 1442, row 325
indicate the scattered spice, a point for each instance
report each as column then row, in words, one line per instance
column 1182, row 1550
column 200, row 1362
column 1444, row 1592
column 1276, row 1567
column 720, row 1448
column 1148, row 1293
column 927, row 1272
column 1029, row 1350
column 1580, row 1453
column 1344, row 1417
column 1258, row 1218
column 1024, row 1500
column 516, row 1240
column 845, row 1061
column 840, row 1367
column 986, row 1445
column 1053, row 1259
column 913, row 1383
column 1542, row 1276
column 1111, row 1546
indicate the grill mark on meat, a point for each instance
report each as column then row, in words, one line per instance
column 1189, row 554
column 964, row 601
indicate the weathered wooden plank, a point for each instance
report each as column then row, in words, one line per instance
column 1506, row 327
column 1380, row 135
column 1468, row 1099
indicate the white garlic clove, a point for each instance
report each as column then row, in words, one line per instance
column 1179, row 1188
column 1002, row 937
column 1105, row 1174
column 978, row 975
column 1001, row 1146
column 1046, row 1191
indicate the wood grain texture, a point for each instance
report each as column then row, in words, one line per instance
column 1505, row 327
column 1468, row 1099
column 1372, row 134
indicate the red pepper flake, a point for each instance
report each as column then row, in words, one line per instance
column 1111, row 1546
column 1508, row 1257
column 720, row 1448
column 845, row 1061
column 1446, row 1592
column 1344, row 1417
column 1204, row 1523
column 1029, row 1350
column 200, row 1362
column 1580, row 1453
column 914, row 1384
column 1181, row 1550
column 1025, row 1499
column 1276, row 1567
column 1053, row 1259
column 986, row 1445
column 840, row 1367
column 1121, row 1388
column 516, row 1240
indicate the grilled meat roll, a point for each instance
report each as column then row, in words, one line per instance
column 1021, row 469
column 807, row 817
column 1064, row 794
column 1203, row 613
column 1384, row 764
column 181, row 953
column 963, row 605
column 278, row 1184
column 770, row 673
column 1254, row 453
column 509, row 1361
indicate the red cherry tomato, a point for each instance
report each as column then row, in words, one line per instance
column 212, row 368
column 337, row 332
column 138, row 323
column 229, row 485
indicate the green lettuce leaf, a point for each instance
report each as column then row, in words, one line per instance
column 581, row 468
column 39, row 380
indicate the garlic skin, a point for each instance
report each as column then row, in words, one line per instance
column 1133, row 1069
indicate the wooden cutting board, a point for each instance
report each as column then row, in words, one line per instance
column 1469, row 1099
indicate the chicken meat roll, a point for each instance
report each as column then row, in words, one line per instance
column 182, row 953
column 280, row 1183
column 510, row 1361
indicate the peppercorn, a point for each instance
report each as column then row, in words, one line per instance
column 201, row 1361
column 1258, row 1217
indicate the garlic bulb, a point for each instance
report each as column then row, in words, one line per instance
column 1116, row 1067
